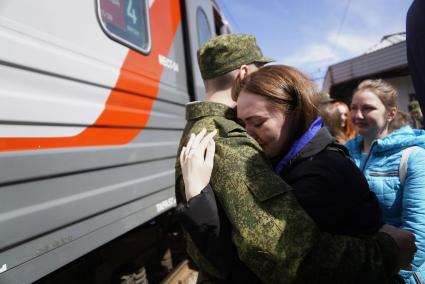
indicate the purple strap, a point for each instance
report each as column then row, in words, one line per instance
column 300, row 143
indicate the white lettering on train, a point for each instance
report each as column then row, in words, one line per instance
column 168, row 63
column 165, row 204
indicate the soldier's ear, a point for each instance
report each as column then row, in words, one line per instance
column 243, row 72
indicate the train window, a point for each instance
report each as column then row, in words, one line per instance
column 126, row 21
column 204, row 31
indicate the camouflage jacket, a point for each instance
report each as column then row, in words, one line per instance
column 274, row 236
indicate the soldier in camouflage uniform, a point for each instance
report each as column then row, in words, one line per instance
column 273, row 235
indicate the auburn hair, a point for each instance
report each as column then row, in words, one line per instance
column 288, row 90
column 332, row 119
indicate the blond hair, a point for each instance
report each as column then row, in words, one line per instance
column 386, row 93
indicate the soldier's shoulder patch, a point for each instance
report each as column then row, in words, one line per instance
column 206, row 122
column 228, row 126
column 265, row 185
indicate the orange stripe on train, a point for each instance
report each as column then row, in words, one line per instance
column 162, row 14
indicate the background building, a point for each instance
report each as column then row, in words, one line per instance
column 386, row 60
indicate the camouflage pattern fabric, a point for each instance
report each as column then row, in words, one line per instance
column 414, row 106
column 274, row 237
column 226, row 53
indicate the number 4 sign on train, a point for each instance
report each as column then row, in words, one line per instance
column 124, row 18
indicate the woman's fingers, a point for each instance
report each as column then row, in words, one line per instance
column 204, row 142
column 196, row 160
column 190, row 142
column 198, row 138
column 189, row 146
column 182, row 155
column 197, row 144
column 209, row 157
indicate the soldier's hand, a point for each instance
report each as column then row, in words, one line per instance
column 197, row 160
column 405, row 241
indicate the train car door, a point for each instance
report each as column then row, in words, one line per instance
column 200, row 25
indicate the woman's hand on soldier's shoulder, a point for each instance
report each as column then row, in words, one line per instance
column 197, row 161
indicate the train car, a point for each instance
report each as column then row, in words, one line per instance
column 92, row 102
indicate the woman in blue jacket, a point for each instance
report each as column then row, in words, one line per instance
column 393, row 163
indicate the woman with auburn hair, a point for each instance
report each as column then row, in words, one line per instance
column 393, row 161
column 278, row 107
column 335, row 117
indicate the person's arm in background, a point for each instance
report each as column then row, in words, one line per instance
column 413, row 207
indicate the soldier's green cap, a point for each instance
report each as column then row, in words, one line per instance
column 325, row 98
column 226, row 53
column 414, row 106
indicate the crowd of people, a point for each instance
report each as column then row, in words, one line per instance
column 278, row 183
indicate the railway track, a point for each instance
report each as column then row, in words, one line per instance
column 182, row 274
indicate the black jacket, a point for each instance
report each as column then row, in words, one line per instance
column 331, row 188
column 325, row 181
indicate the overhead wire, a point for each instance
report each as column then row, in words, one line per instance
column 341, row 24
column 344, row 16
column 229, row 15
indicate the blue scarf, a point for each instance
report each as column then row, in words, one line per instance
column 300, row 143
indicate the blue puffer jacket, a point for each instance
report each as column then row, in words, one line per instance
column 402, row 205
